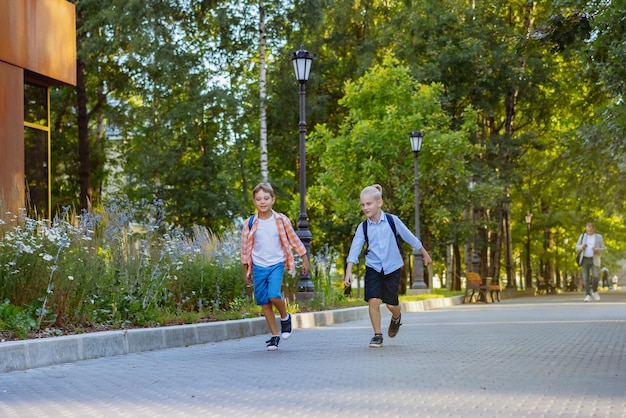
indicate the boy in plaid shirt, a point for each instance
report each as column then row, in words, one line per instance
column 266, row 243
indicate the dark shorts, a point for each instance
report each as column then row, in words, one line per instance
column 382, row 286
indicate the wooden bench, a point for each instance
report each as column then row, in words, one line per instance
column 493, row 288
column 477, row 291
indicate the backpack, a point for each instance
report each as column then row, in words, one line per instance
column 250, row 222
column 392, row 224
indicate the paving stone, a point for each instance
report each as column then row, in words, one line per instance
column 545, row 356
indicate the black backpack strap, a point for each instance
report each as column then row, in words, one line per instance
column 392, row 224
column 364, row 224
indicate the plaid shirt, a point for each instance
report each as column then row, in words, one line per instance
column 288, row 238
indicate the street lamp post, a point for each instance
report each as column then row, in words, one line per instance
column 565, row 241
column 416, row 138
column 556, row 260
column 475, row 258
column 509, row 254
column 529, row 269
column 302, row 66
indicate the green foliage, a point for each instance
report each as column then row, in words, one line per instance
column 16, row 319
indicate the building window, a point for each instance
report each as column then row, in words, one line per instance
column 37, row 150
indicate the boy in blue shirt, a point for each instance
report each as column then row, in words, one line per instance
column 383, row 260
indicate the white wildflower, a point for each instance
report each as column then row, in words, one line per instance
column 46, row 257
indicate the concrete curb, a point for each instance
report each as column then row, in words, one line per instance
column 29, row 354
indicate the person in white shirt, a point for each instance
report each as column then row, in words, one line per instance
column 592, row 245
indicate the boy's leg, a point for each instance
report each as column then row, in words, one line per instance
column 285, row 317
column 395, row 310
column 264, row 289
column 390, row 297
column 275, row 282
column 373, row 296
column 280, row 305
column 270, row 317
column 374, row 311
column 260, row 278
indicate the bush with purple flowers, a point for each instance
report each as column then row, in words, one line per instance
column 119, row 266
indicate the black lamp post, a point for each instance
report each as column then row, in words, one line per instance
column 565, row 241
column 556, row 260
column 475, row 259
column 416, row 138
column 509, row 254
column 529, row 271
column 302, row 66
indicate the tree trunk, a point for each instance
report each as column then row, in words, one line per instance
column 455, row 279
column 262, row 93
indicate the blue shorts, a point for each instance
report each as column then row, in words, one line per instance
column 267, row 282
column 382, row 286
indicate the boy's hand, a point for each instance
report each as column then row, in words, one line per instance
column 305, row 265
column 247, row 275
column 347, row 281
column 427, row 258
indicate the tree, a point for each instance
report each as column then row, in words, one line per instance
column 372, row 146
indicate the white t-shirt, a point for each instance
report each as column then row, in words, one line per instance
column 267, row 250
column 590, row 240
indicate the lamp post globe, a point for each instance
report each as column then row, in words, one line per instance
column 302, row 61
column 416, row 138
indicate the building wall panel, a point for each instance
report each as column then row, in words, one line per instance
column 11, row 137
column 40, row 36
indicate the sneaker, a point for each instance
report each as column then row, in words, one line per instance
column 394, row 326
column 285, row 327
column 587, row 298
column 376, row 341
column 272, row 343
column 595, row 295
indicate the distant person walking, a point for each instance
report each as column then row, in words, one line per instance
column 266, row 242
column 383, row 260
column 606, row 280
column 592, row 245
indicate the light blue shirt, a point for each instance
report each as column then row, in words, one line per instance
column 383, row 253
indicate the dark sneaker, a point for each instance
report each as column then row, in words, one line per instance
column 285, row 327
column 272, row 343
column 394, row 326
column 376, row 341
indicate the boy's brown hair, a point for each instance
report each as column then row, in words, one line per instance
column 266, row 187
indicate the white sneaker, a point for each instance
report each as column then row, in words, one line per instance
column 587, row 298
column 596, row 296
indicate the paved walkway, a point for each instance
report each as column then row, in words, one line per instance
column 545, row 356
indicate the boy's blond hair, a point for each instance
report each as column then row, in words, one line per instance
column 374, row 190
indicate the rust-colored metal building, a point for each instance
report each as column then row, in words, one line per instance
column 37, row 51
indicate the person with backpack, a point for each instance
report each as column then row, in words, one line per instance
column 383, row 260
column 267, row 240
column 591, row 245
